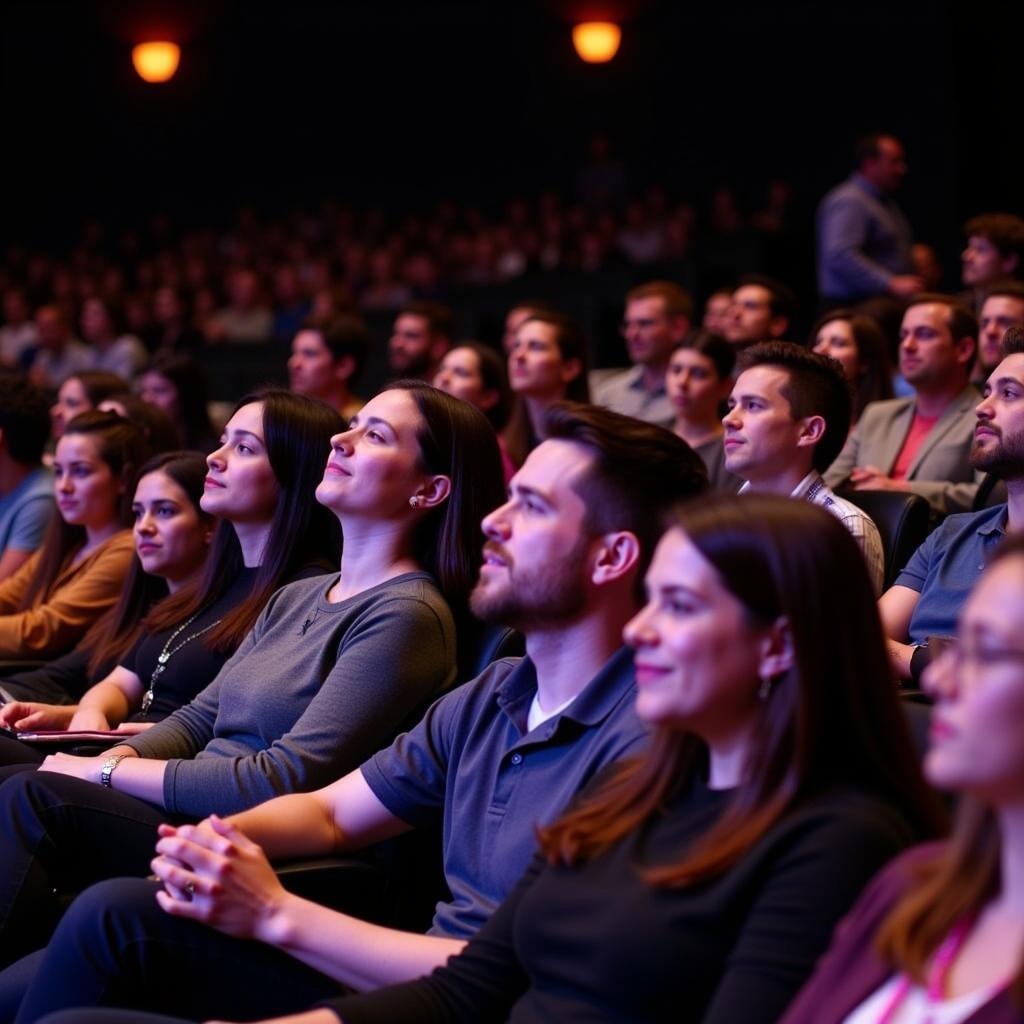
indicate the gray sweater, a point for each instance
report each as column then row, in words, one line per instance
column 313, row 690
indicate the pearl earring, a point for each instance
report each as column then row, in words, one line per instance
column 415, row 501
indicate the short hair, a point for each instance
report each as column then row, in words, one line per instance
column 676, row 298
column 440, row 319
column 962, row 322
column 1013, row 342
column 816, row 387
column 782, row 299
column 713, row 347
column 345, row 334
column 639, row 472
column 1004, row 230
column 24, row 418
column 1007, row 290
column 867, row 146
column 572, row 344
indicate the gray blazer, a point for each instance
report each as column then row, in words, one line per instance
column 940, row 471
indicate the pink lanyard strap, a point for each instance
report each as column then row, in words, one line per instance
column 937, row 976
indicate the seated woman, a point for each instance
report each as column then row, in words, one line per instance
column 547, row 362
column 858, row 344
column 82, row 392
column 698, row 380
column 174, row 382
column 157, row 427
column 269, row 535
column 50, row 603
column 939, row 935
column 330, row 672
column 700, row 881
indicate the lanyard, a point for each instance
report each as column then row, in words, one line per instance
column 937, row 976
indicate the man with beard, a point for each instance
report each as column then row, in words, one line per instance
column 564, row 558
column 924, row 602
column 420, row 337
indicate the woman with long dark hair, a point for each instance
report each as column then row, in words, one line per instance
column 50, row 603
column 174, row 382
column 939, row 935
column 547, row 363
column 331, row 670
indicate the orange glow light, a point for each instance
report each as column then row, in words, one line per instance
column 156, row 62
column 596, row 41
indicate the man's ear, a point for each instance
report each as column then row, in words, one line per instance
column 776, row 649
column 433, row 491
column 615, row 555
column 812, row 430
column 965, row 350
column 344, row 367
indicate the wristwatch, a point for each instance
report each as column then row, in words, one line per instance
column 108, row 766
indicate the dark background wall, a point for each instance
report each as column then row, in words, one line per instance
column 403, row 103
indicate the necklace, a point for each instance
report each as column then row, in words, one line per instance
column 168, row 652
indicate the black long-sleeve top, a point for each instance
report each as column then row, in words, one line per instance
column 596, row 942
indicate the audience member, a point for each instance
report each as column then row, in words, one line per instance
column 857, row 343
column 526, row 735
column 18, row 333
column 716, row 311
column 421, row 335
column 789, row 414
column 658, row 317
column 926, row 265
column 245, row 318
column 938, row 935
column 921, row 443
column 326, row 361
column 518, row 315
column 48, row 605
column 863, row 238
column 331, row 669
column 994, row 254
column 762, row 309
column 82, row 392
column 26, row 488
column 547, row 364
column 175, row 383
column 698, row 381
column 1002, row 308
column 112, row 351
column 701, row 880
column 172, row 330
column 58, row 355
column 930, row 592
column 158, row 429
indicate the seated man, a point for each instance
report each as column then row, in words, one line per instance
column 26, row 488
column 789, row 413
column 921, row 443
column 762, row 309
column 326, row 360
column 1002, row 308
column 563, row 561
column 421, row 335
column 926, row 597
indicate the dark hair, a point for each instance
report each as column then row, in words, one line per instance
column 297, row 432
column 24, row 418
column 874, row 382
column 955, row 881
column 1006, row 289
column 780, row 559
column 1005, row 231
column 113, row 636
column 122, row 447
column 457, row 440
column 676, row 298
column 1013, row 342
column 440, row 319
column 868, row 147
column 494, row 375
column 189, row 381
column 159, row 430
column 713, row 347
column 816, row 387
column 344, row 334
column 98, row 385
column 782, row 299
column 520, row 438
column 639, row 470
column 962, row 322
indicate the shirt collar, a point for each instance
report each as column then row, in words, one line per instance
column 635, row 382
column 994, row 522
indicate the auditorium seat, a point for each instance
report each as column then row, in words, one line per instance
column 903, row 523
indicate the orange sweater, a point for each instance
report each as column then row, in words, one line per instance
column 76, row 599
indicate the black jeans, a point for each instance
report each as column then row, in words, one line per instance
column 59, row 833
column 115, row 947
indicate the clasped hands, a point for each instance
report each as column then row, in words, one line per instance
column 868, row 478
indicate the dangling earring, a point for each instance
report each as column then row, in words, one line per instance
column 764, row 691
column 415, row 501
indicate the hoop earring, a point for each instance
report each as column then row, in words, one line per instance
column 764, row 691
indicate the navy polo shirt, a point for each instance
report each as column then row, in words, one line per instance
column 472, row 761
column 946, row 566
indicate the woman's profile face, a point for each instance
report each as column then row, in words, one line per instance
column 240, row 485
column 85, row 487
column 836, row 339
column 535, row 364
column 977, row 733
column 693, row 384
column 460, row 376
column 697, row 658
column 373, row 468
column 71, row 400
column 171, row 538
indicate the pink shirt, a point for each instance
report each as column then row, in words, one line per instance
column 919, row 430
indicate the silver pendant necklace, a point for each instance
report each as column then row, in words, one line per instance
column 168, row 652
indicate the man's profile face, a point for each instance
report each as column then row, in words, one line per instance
column 999, row 434
column 928, row 355
column 650, row 332
column 750, row 316
column 998, row 314
column 888, row 167
column 409, row 348
column 311, row 365
column 537, row 550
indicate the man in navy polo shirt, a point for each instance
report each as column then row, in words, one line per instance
column 926, row 598
column 564, row 558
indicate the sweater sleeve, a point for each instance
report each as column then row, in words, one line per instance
column 385, row 670
column 13, row 589
column 73, row 605
column 808, row 890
